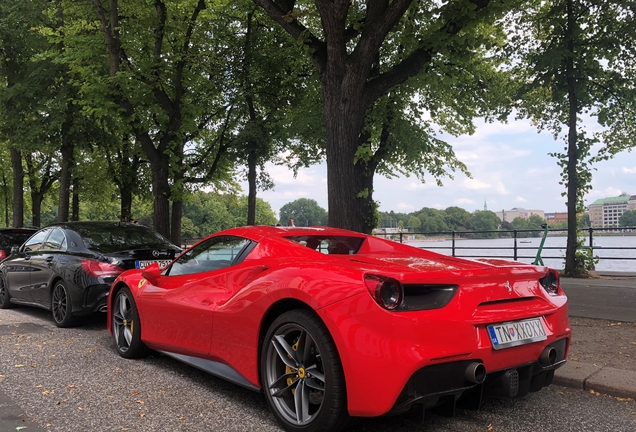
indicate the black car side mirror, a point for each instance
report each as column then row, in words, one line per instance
column 151, row 272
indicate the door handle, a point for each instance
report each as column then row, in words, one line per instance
column 49, row 258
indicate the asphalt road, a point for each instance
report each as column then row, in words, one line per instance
column 73, row 380
column 604, row 298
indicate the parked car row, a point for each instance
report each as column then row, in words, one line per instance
column 329, row 324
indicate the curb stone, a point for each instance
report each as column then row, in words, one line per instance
column 606, row 380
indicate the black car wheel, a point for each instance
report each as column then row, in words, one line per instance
column 302, row 374
column 5, row 299
column 61, row 305
column 126, row 326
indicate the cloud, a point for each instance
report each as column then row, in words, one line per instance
column 629, row 170
column 463, row 201
column 604, row 193
column 474, row 184
column 405, row 207
column 521, row 199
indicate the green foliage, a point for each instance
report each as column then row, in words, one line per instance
column 304, row 211
column 628, row 219
column 483, row 220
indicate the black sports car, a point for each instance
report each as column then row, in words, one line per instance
column 10, row 237
column 68, row 268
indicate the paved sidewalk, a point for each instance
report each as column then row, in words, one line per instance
column 602, row 357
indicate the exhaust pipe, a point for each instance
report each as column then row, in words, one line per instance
column 475, row 373
column 548, row 357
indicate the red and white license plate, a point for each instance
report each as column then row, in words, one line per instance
column 514, row 333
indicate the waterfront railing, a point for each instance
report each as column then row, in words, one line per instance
column 517, row 251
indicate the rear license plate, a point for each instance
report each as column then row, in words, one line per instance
column 143, row 264
column 514, row 333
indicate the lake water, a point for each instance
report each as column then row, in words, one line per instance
column 609, row 249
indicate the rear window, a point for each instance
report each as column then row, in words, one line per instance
column 332, row 245
column 113, row 238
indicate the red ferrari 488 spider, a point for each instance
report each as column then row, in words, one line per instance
column 331, row 324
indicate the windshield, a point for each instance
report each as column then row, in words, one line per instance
column 115, row 237
column 14, row 238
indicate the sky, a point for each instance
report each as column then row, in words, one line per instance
column 510, row 168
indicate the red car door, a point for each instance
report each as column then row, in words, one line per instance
column 177, row 309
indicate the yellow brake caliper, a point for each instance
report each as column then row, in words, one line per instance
column 288, row 369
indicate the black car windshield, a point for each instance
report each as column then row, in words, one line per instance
column 115, row 237
column 339, row 245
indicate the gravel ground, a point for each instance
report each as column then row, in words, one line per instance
column 73, row 380
column 603, row 343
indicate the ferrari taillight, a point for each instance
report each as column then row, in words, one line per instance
column 550, row 282
column 100, row 269
column 2, row 255
column 387, row 292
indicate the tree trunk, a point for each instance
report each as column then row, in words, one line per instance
column 75, row 205
column 344, row 120
column 572, row 164
column 5, row 189
column 251, row 180
column 18, row 188
column 65, row 177
column 177, row 214
column 36, row 208
column 161, row 194
column 126, row 203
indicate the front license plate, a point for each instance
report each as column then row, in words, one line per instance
column 516, row 333
column 143, row 264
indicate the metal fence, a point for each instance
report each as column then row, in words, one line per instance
column 517, row 236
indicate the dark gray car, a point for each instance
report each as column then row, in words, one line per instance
column 68, row 268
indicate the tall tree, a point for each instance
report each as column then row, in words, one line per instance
column 577, row 57
column 362, row 51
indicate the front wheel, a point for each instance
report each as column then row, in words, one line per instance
column 61, row 306
column 302, row 375
column 127, row 326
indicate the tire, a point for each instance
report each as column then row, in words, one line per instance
column 61, row 306
column 302, row 375
column 5, row 298
column 127, row 326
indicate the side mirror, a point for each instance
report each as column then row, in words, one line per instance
column 151, row 272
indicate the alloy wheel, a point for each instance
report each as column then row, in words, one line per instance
column 123, row 322
column 294, row 374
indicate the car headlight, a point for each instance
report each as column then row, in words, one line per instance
column 550, row 282
column 387, row 292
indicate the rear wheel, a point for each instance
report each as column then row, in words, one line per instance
column 302, row 376
column 5, row 298
column 126, row 326
column 61, row 305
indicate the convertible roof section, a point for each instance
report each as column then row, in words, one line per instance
column 258, row 232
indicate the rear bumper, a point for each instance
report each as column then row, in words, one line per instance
column 93, row 299
column 446, row 383
column 385, row 354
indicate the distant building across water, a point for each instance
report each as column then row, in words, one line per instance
column 606, row 212
column 512, row 214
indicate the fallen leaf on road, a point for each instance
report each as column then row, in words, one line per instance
column 142, row 415
column 620, row 399
column 71, row 386
column 19, row 365
column 139, row 401
column 38, row 386
column 595, row 393
column 182, row 418
column 574, row 358
column 489, row 427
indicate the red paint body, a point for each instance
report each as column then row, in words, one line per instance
column 218, row 315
